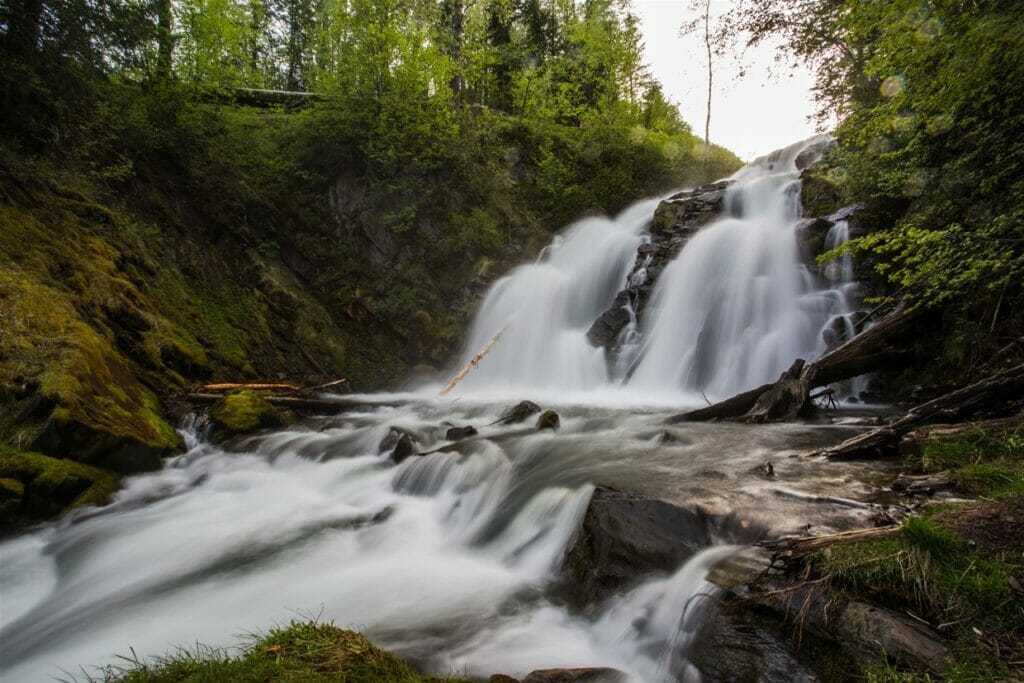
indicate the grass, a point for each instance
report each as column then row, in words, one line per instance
column 301, row 651
column 939, row 577
column 981, row 464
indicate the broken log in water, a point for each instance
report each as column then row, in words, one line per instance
column 873, row 349
column 996, row 393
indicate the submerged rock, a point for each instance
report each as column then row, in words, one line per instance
column 548, row 420
column 459, row 433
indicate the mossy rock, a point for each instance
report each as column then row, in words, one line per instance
column 35, row 486
column 244, row 412
column 819, row 196
column 85, row 401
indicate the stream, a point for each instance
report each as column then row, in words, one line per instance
column 452, row 560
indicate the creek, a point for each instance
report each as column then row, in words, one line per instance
column 453, row 560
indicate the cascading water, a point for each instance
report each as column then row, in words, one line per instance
column 732, row 311
column 545, row 308
column 450, row 559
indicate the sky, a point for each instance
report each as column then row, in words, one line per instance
column 752, row 115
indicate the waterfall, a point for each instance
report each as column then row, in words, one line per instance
column 732, row 311
column 545, row 308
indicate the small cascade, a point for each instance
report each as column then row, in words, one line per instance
column 545, row 308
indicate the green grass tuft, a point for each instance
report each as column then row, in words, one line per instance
column 302, row 651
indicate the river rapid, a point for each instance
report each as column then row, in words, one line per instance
column 453, row 559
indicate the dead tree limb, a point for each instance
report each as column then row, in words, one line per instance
column 473, row 362
column 998, row 393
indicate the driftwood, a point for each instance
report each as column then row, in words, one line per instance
column 988, row 394
column 789, row 396
column 473, row 362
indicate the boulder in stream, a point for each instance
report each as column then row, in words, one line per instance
column 401, row 443
column 625, row 538
column 459, row 433
column 548, row 420
column 520, row 412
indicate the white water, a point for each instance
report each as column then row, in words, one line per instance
column 731, row 312
column 450, row 559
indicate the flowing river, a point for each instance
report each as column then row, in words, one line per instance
column 452, row 559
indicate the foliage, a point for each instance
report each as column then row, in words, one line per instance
column 302, row 651
column 930, row 136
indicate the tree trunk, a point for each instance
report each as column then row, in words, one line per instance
column 165, row 39
column 23, row 27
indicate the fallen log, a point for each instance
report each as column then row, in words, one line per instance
column 991, row 393
column 252, row 386
column 789, row 396
column 318, row 406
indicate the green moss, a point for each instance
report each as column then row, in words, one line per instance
column 300, row 652
column 53, row 485
column 243, row 412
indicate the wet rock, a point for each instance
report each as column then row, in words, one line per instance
column 401, row 443
column 625, row 537
column 810, row 237
column 765, row 470
column 520, row 412
column 743, row 646
column 502, row 678
column 675, row 220
column 590, row 675
column 548, row 420
column 459, row 433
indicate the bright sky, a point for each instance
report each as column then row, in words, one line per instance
column 752, row 115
